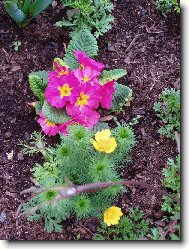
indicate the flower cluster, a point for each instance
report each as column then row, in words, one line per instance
column 78, row 92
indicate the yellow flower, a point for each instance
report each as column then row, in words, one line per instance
column 112, row 215
column 103, row 142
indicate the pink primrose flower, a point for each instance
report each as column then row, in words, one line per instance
column 61, row 90
column 64, row 126
column 84, row 61
column 106, row 94
column 85, row 75
column 48, row 127
column 87, row 97
column 59, row 72
column 88, row 118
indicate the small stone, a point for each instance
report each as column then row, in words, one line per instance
column 20, row 156
column 111, row 48
column 13, row 120
column 27, row 135
column 8, row 134
column 2, row 217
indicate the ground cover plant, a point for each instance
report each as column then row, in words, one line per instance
column 166, row 6
column 93, row 15
column 168, row 110
column 145, row 44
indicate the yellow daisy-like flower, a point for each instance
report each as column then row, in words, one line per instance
column 112, row 215
column 103, row 142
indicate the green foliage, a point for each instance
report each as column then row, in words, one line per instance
column 168, row 110
column 23, row 11
column 60, row 62
column 35, row 145
column 48, row 170
column 156, row 234
column 172, row 174
column 92, row 15
column 57, row 116
column 110, row 75
column 82, row 41
column 130, row 227
column 172, row 182
column 38, row 82
column 121, row 97
column 166, row 6
column 76, row 158
column 100, row 126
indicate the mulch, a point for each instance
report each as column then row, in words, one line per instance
column 143, row 42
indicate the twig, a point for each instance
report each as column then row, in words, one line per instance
column 132, row 42
column 65, row 192
column 88, row 230
column 171, row 227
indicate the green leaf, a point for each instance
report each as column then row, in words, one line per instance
column 110, row 75
column 57, row 116
column 82, row 41
column 42, row 75
column 100, row 126
column 174, row 237
column 121, row 97
column 17, row 15
column 37, row 86
column 38, row 6
column 26, row 6
column 38, row 107
column 60, row 62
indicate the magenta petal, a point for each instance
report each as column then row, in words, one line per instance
column 85, row 60
column 106, row 94
column 89, row 118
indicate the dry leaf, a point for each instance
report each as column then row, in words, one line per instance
column 10, row 155
column 106, row 118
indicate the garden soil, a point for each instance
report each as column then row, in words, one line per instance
column 143, row 42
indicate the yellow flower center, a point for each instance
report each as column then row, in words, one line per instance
column 85, row 78
column 49, row 123
column 62, row 72
column 65, row 90
column 82, row 100
column 81, row 66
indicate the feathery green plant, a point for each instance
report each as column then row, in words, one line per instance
column 76, row 158
column 87, row 14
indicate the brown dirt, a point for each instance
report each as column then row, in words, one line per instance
column 152, row 62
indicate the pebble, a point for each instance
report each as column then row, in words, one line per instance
column 3, row 217
column 20, row 156
column 27, row 135
column 8, row 134
column 111, row 48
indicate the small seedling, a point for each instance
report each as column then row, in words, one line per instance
column 17, row 44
